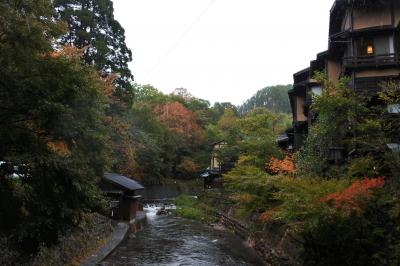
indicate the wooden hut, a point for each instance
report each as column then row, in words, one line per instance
column 124, row 195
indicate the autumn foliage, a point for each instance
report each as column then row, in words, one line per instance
column 353, row 197
column 187, row 168
column 285, row 166
column 179, row 119
column 59, row 147
column 267, row 215
column 69, row 51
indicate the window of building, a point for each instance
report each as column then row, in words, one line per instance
column 366, row 47
column 316, row 90
column 378, row 45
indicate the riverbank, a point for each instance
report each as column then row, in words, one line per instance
column 275, row 244
column 79, row 243
column 174, row 240
column 119, row 234
column 73, row 247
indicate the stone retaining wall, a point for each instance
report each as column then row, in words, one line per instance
column 276, row 253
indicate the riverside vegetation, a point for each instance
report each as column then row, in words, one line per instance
column 70, row 111
column 345, row 214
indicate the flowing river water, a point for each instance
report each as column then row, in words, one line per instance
column 170, row 240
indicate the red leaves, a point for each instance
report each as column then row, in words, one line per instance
column 354, row 197
column 178, row 119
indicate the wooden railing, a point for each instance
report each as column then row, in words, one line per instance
column 375, row 60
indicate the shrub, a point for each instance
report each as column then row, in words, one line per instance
column 363, row 166
column 189, row 207
column 368, row 238
column 354, row 197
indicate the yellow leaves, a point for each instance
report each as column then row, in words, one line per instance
column 390, row 93
column 246, row 160
column 244, row 198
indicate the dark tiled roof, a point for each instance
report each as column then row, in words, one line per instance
column 123, row 181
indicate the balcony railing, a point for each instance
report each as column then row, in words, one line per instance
column 372, row 61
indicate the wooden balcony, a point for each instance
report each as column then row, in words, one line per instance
column 372, row 61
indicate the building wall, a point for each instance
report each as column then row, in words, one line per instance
column 300, row 109
column 371, row 18
column 215, row 163
column 347, row 22
column 377, row 73
column 334, row 70
column 397, row 13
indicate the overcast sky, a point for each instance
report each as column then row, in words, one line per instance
column 222, row 50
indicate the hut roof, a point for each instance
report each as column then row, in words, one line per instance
column 123, row 181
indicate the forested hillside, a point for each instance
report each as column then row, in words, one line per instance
column 326, row 211
column 70, row 112
column 274, row 98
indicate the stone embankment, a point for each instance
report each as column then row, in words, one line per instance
column 121, row 231
column 118, row 235
column 275, row 251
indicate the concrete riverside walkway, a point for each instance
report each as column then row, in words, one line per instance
column 118, row 235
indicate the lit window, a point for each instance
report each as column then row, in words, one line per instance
column 370, row 49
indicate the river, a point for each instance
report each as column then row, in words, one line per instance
column 170, row 240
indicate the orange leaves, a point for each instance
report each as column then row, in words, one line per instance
column 179, row 119
column 109, row 88
column 285, row 166
column 69, row 52
column 59, row 147
column 267, row 215
column 354, row 197
column 73, row 52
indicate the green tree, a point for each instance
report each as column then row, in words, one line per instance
column 356, row 123
column 53, row 137
column 274, row 98
column 92, row 24
column 257, row 137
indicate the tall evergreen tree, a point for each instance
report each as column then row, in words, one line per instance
column 91, row 23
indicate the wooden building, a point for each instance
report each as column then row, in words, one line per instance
column 124, row 195
column 215, row 163
column 364, row 44
column 212, row 176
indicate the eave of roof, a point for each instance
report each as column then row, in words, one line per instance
column 302, row 71
column 123, row 181
column 218, row 142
